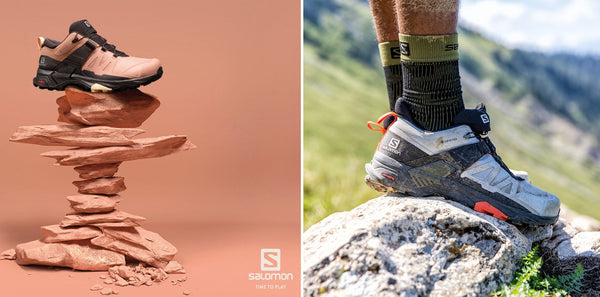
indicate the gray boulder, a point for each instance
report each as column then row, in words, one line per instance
column 575, row 240
column 410, row 246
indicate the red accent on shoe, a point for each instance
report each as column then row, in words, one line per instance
column 390, row 177
column 41, row 82
column 487, row 208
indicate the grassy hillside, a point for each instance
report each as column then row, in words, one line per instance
column 344, row 88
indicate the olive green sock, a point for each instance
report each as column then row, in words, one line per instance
column 431, row 82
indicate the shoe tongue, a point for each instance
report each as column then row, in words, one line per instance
column 82, row 27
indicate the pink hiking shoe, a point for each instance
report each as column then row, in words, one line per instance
column 86, row 60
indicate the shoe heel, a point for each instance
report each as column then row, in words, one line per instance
column 383, row 178
column 50, row 80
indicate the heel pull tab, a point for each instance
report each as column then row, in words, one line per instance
column 40, row 42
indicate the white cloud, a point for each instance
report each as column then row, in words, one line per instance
column 549, row 25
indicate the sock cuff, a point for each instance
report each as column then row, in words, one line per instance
column 428, row 48
column 390, row 53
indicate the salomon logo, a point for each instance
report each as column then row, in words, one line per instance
column 87, row 24
column 395, row 52
column 270, row 259
column 484, row 118
column 42, row 60
column 451, row 47
column 405, row 49
column 394, row 143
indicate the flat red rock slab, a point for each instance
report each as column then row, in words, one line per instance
column 97, row 170
column 115, row 216
column 138, row 243
column 74, row 135
column 56, row 233
column 141, row 149
column 122, row 109
column 102, row 185
column 93, row 203
column 77, row 255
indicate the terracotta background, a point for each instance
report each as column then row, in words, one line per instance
column 231, row 83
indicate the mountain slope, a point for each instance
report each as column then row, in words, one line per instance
column 554, row 137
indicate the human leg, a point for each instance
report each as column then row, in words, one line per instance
column 386, row 27
column 436, row 147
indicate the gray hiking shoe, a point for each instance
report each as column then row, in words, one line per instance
column 460, row 164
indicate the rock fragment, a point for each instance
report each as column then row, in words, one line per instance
column 141, row 149
column 74, row 135
column 122, row 109
column 98, row 219
column 55, row 233
column 93, row 203
column 174, row 268
column 137, row 243
column 106, row 291
column 8, row 255
column 96, row 287
column 77, row 255
column 101, row 185
column 97, row 170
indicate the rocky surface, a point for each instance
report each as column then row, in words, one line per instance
column 56, row 233
column 77, row 255
column 93, row 203
column 400, row 246
column 141, row 149
column 411, row 246
column 101, row 185
column 575, row 239
column 109, row 219
column 97, row 170
column 123, row 109
column 137, row 243
column 74, row 135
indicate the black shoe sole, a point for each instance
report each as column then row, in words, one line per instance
column 390, row 176
column 54, row 80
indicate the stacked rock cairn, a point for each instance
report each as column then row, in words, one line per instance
column 95, row 235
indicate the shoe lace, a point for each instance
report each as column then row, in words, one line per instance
column 101, row 41
column 106, row 46
column 498, row 159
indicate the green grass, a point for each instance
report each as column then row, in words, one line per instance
column 338, row 102
column 339, row 98
column 529, row 281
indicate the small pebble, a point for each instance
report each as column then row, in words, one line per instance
column 102, row 276
column 187, row 292
column 96, row 287
column 106, row 291
column 108, row 281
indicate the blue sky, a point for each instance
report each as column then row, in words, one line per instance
column 543, row 25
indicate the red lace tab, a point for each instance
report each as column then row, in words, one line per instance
column 377, row 127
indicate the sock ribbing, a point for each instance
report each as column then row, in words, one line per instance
column 432, row 92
